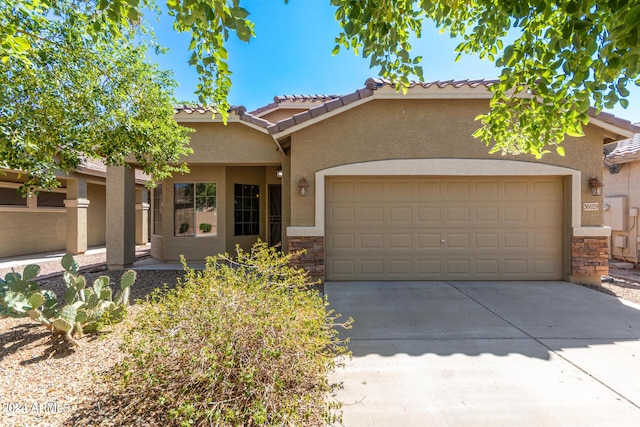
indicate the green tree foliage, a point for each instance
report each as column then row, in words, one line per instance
column 565, row 56
column 67, row 95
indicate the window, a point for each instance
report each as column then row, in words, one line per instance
column 10, row 197
column 246, row 210
column 157, row 210
column 51, row 199
column 195, row 211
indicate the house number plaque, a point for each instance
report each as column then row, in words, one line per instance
column 594, row 206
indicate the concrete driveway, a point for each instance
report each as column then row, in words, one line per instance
column 487, row 353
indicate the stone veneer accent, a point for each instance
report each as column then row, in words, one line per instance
column 590, row 255
column 313, row 259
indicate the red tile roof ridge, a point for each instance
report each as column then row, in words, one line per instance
column 277, row 100
column 376, row 82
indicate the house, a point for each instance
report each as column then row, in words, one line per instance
column 377, row 185
column 70, row 218
column 622, row 197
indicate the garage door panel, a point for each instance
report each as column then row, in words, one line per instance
column 400, row 241
column 457, row 214
column 372, row 215
column 430, row 267
column 371, row 241
column 428, row 241
column 372, row 267
column 487, row 241
column 342, row 215
column 342, row 241
column 429, row 215
column 444, row 228
column 487, row 215
column 400, row 214
column 487, row 267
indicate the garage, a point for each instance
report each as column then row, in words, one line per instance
column 444, row 228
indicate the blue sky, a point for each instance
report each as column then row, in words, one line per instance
column 291, row 54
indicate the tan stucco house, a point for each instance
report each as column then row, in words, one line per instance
column 622, row 197
column 377, row 185
column 70, row 218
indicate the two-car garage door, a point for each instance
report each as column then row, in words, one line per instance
column 438, row 228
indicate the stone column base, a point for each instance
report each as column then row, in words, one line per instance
column 589, row 259
column 312, row 261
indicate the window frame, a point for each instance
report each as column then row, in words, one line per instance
column 31, row 202
column 247, row 210
column 194, row 226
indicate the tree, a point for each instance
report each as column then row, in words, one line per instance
column 565, row 55
column 67, row 96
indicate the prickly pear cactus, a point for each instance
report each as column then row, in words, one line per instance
column 83, row 308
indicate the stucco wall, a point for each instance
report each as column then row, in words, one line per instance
column 169, row 247
column 30, row 231
column 414, row 129
column 215, row 143
column 96, row 215
column 625, row 183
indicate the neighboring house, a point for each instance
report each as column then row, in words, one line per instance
column 622, row 197
column 70, row 218
column 377, row 185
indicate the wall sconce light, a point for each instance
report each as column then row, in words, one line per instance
column 302, row 186
column 279, row 173
column 596, row 186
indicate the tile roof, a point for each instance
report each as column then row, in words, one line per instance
column 374, row 83
column 324, row 104
column 190, row 109
column 294, row 100
column 613, row 120
column 626, row 151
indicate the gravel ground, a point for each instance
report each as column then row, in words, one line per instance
column 45, row 383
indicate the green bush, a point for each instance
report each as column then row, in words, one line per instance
column 206, row 227
column 245, row 342
column 184, row 227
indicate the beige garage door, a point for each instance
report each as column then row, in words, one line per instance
column 438, row 228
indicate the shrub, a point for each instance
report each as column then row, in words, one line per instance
column 81, row 310
column 184, row 227
column 206, row 227
column 245, row 342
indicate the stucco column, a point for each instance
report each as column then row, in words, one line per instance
column 142, row 216
column 121, row 217
column 77, row 206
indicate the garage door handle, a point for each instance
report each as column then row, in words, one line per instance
column 443, row 241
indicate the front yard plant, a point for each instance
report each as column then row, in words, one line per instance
column 82, row 309
column 248, row 341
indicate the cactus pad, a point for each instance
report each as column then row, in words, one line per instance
column 127, row 279
column 62, row 325
column 31, row 271
column 36, row 299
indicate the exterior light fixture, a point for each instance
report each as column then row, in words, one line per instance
column 302, row 186
column 279, row 173
column 596, row 186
